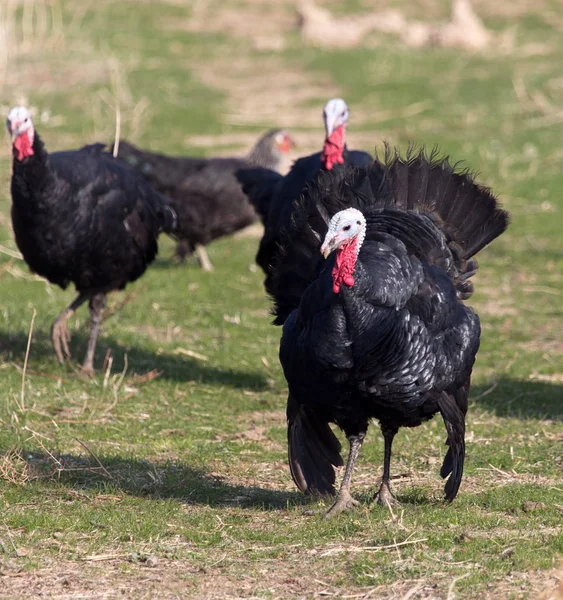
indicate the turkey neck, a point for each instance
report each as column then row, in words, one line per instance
column 263, row 155
column 33, row 179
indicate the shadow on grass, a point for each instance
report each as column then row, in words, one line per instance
column 522, row 399
column 174, row 367
column 143, row 478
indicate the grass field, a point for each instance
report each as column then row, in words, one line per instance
column 165, row 475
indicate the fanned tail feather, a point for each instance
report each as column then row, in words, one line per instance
column 314, row 452
column 469, row 214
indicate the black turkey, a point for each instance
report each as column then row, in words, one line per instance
column 368, row 285
column 81, row 217
column 207, row 197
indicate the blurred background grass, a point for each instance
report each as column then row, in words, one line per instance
column 194, row 498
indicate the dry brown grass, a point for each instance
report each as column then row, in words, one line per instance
column 221, row 575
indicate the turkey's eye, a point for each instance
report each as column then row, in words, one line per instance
column 358, row 223
column 346, row 227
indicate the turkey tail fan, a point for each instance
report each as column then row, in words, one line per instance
column 469, row 214
column 454, row 420
column 259, row 185
column 313, row 452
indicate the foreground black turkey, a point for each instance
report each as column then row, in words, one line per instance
column 368, row 285
column 207, row 197
column 274, row 195
column 81, row 217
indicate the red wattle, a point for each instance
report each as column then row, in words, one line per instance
column 343, row 269
column 23, row 145
column 333, row 149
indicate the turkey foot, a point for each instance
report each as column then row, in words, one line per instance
column 344, row 500
column 384, row 496
column 60, row 337
column 203, row 258
column 87, row 367
column 343, row 503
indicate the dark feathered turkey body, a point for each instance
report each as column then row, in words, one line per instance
column 398, row 345
column 83, row 217
column 207, row 195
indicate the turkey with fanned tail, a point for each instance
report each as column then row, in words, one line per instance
column 368, row 286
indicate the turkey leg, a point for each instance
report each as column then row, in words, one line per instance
column 183, row 249
column 97, row 305
column 204, row 261
column 384, row 495
column 60, row 336
column 344, row 500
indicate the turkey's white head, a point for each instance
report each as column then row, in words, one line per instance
column 20, row 128
column 345, row 235
column 335, row 116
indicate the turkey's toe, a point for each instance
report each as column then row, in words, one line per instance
column 385, row 497
column 343, row 502
column 60, row 337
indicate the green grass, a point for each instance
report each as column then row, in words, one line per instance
column 103, row 480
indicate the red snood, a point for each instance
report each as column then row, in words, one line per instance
column 23, row 145
column 343, row 269
column 333, row 149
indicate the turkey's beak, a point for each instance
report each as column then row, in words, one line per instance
column 328, row 246
column 10, row 129
column 330, row 124
column 13, row 129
